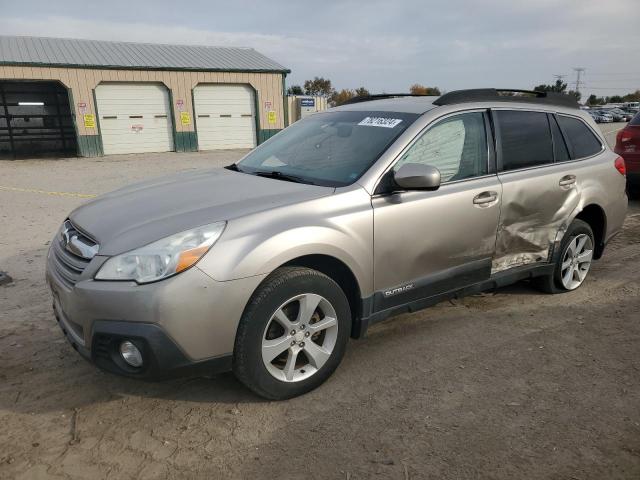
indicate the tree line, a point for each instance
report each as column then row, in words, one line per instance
column 629, row 97
column 320, row 86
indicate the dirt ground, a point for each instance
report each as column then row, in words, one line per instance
column 506, row 385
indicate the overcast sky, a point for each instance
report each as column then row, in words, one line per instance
column 382, row 45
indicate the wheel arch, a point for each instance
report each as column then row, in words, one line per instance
column 594, row 215
column 340, row 273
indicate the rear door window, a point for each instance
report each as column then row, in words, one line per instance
column 581, row 139
column 525, row 139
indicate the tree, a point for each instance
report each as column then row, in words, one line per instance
column 578, row 95
column 595, row 100
column 632, row 97
column 362, row 92
column 338, row 98
column 318, row 86
column 417, row 89
column 295, row 90
column 558, row 87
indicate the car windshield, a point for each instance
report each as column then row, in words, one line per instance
column 329, row 148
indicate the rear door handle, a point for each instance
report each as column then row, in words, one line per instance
column 485, row 199
column 567, row 181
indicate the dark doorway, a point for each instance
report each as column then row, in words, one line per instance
column 35, row 120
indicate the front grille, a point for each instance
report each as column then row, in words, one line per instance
column 68, row 265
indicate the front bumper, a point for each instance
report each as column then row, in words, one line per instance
column 183, row 324
column 161, row 356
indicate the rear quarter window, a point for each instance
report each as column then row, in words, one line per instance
column 581, row 139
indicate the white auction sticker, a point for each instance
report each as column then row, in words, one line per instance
column 380, row 122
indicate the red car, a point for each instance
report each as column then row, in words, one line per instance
column 628, row 146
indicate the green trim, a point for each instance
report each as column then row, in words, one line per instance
column 89, row 146
column 186, row 142
column 285, row 104
column 177, row 142
column 122, row 67
column 194, row 140
column 256, row 106
column 182, row 141
column 73, row 119
column 100, row 149
column 264, row 135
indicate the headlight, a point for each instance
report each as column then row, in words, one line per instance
column 163, row 258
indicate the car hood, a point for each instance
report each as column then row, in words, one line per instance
column 142, row 213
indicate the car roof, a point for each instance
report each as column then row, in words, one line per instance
column 419, row 105
column 422, row 104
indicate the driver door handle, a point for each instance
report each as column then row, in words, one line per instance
column 485, row 199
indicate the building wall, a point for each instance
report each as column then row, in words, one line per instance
column 293, row 110
column 82, row 82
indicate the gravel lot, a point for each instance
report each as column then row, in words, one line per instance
column 511, row 384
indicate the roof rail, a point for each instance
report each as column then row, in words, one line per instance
column 380, row 96
column 507, row 95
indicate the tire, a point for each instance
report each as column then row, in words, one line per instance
column 313, row 345
column 556, row 282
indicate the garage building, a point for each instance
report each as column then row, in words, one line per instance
column 91, row 98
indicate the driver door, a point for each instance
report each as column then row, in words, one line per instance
column 431, row 242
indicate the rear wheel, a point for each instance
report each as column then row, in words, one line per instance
column 293, row 333
column 573, row 263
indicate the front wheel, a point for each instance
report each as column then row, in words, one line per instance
column 574, row 261
column 293, row 333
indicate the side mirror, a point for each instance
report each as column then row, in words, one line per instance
column 416, row 176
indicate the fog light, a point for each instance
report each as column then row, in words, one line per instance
column 131, row 354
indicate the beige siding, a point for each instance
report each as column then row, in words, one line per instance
column 83, row 81
column 294, row 112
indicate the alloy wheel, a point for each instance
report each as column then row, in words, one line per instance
column 576, row 261
column 299, row 337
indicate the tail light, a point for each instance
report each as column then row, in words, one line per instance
column 623, row 136
column 620, row 166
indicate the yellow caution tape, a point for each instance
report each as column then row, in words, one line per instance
column 44, row 192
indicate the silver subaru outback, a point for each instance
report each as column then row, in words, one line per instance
column 384, row 205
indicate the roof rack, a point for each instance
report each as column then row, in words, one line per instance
column 380, row 96
column 507, row 95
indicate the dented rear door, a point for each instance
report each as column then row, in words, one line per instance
column 538, row 195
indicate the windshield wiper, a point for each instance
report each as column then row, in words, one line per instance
column 282, row 176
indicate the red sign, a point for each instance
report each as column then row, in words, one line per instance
column 82, row 107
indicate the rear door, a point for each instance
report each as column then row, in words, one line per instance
column 539, row 190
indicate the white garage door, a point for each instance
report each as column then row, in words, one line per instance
column 134, row 118
column 225, row 116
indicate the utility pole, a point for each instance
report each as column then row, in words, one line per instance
column 579, row 71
